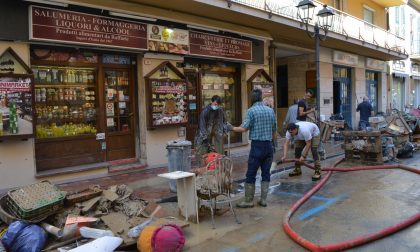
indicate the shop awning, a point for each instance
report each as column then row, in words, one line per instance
column 170, row 15
column 400, row 75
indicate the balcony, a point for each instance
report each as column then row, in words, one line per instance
column 344, row 24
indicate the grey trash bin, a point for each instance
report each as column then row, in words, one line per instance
column 179, row 158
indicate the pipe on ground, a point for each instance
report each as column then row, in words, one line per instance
column 358, row 240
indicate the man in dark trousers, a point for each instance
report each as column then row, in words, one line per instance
column 303, row 106
column 365, row 109
column 212, row 126
column 307, row 137
column 261, row 122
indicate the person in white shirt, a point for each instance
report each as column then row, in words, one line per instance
column 307, row 137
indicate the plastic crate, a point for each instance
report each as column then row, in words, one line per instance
column 35, row 200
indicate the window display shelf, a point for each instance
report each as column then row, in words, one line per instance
column 65, row 101
column 68, row 85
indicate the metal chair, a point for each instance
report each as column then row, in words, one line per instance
column 214, row 183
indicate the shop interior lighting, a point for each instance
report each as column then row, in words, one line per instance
column 202, row 28
column 126, row 15
column 61, row 4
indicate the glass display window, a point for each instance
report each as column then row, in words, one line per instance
column 167, row 97
column 261, row 80
column 65, row 101
column 117, row 100
column 222, row 82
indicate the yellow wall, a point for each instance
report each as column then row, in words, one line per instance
column 355, row 8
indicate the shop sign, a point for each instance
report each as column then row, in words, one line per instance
column 345, row 58
column 48, row 24
column 398, row 65
column 210, row 45
column 375, row 64
column 15, row 106
column 164, row 39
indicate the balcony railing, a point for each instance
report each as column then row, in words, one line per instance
column 343, row 23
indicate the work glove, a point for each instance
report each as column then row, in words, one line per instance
column 229, row 127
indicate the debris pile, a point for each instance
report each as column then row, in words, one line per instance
column 387, row 139
column 91, row 220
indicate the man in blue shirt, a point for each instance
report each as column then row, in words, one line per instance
column 365, row 109
column 261, row 122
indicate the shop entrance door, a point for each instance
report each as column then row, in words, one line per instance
column 119, row 113
column 193, row 105
column 372, row 89
column 342, row 93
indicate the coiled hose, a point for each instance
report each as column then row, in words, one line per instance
column 358, row 240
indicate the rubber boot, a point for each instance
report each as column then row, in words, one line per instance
column 249, row 196
column 296, row 172
column 317, row 174
column 264, row 192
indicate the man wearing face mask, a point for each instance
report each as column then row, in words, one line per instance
column 212, row 125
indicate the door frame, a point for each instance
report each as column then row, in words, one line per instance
column 347, row 81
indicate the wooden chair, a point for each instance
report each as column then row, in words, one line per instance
column 214, row 183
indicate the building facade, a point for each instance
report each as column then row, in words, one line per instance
column 405, row 83
column 114, row 82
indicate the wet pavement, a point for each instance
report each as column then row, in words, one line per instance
column 349, row 205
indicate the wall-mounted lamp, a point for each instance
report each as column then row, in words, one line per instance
column 55, row 3
column 132, row 16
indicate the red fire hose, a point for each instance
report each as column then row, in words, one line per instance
column 358, row 240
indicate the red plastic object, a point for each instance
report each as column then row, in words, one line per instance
column 212, row 156
column 168, row 238
column 358, row 240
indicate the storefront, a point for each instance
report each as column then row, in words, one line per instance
column 374, row 84
column 372, row 89
column 342, row 93
column 209, row 64
column 415, row 85
column 108, row 93
column 84, row 107
column 207, row 78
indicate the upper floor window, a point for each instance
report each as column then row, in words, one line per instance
column 368, row 14
column 338, row 4
column 399, row 21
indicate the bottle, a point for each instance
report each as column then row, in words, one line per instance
column 94, row 233
column 49, row 76
column 85, row 77
column 65, row 76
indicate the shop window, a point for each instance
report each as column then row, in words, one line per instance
column 398, row 94
column 83, row 107
column 416, row 93
column 65, row 101
column 220, row 80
